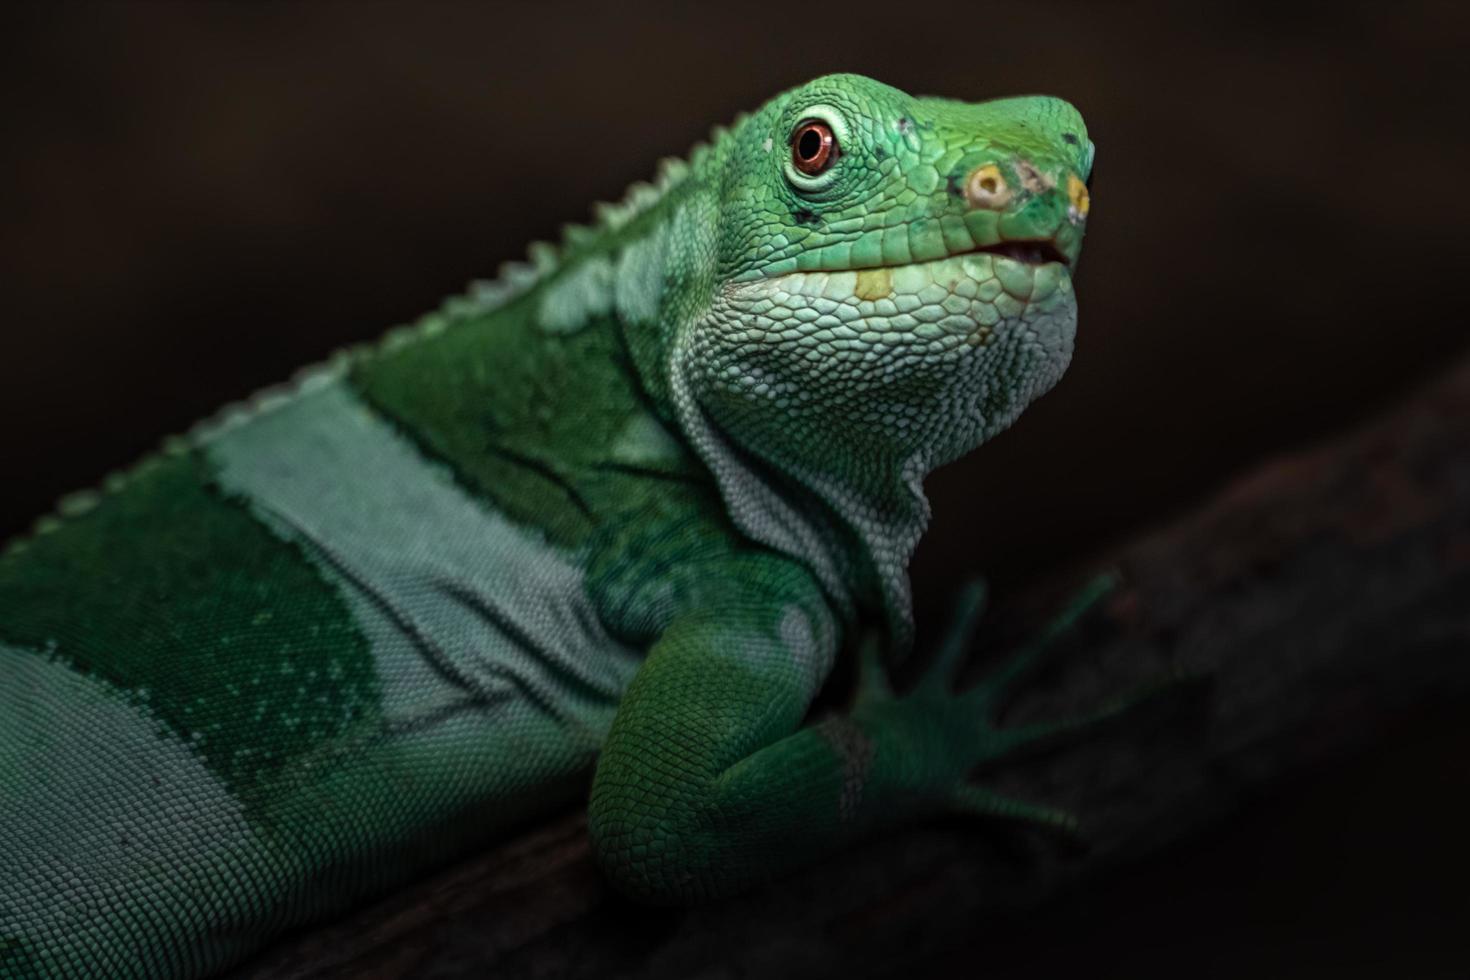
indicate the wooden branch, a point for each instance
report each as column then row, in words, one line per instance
column 1320, row 595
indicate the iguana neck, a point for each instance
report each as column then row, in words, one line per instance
column 854, row 527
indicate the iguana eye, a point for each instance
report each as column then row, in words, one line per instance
column 813, row 147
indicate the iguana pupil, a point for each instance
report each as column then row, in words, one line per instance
column 814, row 148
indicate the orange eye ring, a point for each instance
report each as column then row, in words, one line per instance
column 813, row 147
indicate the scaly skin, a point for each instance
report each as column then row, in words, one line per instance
column 632, row 499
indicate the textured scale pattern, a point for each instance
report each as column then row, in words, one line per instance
column 607, row 520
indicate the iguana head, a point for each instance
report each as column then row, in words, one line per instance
column 893, row 287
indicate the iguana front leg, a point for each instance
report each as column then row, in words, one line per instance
column 708, row 783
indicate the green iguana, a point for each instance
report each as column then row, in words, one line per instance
column 618, row 510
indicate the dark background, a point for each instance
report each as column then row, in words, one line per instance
column 199, row 198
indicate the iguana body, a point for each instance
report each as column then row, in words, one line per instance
column 631, row 500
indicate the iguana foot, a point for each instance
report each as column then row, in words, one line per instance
column 968, row 720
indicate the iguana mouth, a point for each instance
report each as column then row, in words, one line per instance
column 1029, row 252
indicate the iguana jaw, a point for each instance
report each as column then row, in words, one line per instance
column 1005, row 281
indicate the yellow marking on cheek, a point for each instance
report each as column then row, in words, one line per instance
column 1077, row 194
column 873, row 284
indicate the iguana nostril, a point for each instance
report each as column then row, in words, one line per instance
column 986, row 188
